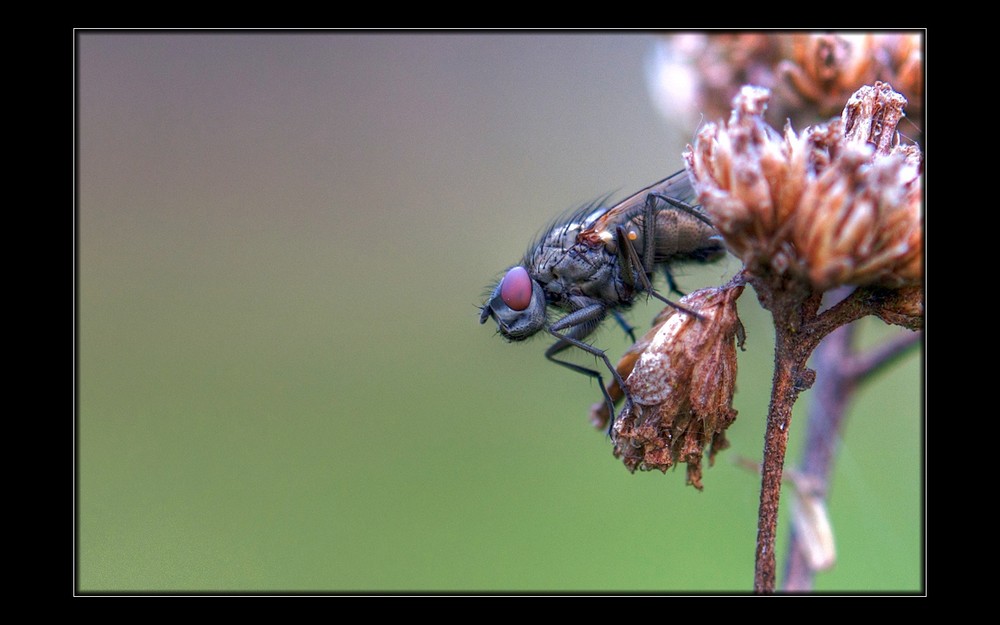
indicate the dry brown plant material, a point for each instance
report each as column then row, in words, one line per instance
column 835, row 205
column 681, row 387
column 827, row 206
column 810, row 74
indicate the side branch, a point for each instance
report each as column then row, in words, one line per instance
column 840, row 372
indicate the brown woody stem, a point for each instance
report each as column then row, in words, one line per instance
column 799, row 329
column 779, row 417
column 792, row 306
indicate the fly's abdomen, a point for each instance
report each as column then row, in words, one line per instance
column 680, row 236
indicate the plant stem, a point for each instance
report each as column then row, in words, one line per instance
column 785, row 390
column 840, row 371
column 799, row 329
column 831, row 396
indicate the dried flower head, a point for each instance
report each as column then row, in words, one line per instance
column 823, row 70
column 681, row 387
column 811, row 74
column 901, row 62
column 825, row 206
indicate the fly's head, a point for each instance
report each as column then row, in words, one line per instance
column 517, row 305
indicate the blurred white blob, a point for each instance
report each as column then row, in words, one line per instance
column 812, row 524
column 670, row 78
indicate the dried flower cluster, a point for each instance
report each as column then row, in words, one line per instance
column 837, row 204
column 683, row 375
column 812, row 75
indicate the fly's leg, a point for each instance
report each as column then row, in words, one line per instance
column 671, row 282
column 682, row 206
column 629, row 329
column 628, row 258
column 579, row 324
column 649, row 231
column 625, row 260
column 560, row 346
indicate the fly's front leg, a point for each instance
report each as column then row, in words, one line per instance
column 579, row 324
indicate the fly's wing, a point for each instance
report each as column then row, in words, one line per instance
column 677, row 186
column 678, row 235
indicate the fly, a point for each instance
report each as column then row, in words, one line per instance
column 594, row 262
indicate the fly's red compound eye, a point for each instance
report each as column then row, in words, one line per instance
column 516, row 289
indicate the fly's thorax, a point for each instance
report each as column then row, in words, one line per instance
column 580, row 270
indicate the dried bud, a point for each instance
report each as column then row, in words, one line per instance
column 681, row 387
column 825, row 207
column 871, row 115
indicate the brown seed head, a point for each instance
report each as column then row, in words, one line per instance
column 859, row 223
column 811, row 75
column 826, row 206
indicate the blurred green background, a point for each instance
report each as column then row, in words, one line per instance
column 283, row 384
